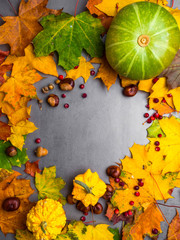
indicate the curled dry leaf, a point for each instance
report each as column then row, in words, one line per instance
column 5, row 131
column 32, row 167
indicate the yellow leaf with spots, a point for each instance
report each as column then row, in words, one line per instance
column 19, row 130
column 105, row 72
column 83, row 70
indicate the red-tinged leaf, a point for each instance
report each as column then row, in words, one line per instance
column 32, row 168
column 3, row 55
column 5, row 131
column 3, row 70
column 174, row 228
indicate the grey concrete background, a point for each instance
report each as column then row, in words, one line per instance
column 93, row 133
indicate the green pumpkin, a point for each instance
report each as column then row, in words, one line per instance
column 142, row 41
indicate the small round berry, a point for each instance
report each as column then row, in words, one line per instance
column 85, row 213
column 83, row 219
column 92, row 72
column 169, row 95
column 136, row 188
column 84, row 95
column 140, row 183
column 37, row 140
column 81, row 86
column 152, row 118
column 76, row 67
column 63, row 95
column 137, row 194
column 117, row 180
column 163, row 101
column 155, row 79
column 130, row 213
column 155, row 100
column 147, row 106
column 156, row 115
column 154, row 231
column 159, row 135
column 61, row 77
column 126, row 214
column 131, row 203
column 149, row 120
column 157, row 149
column 66, row 105
column 160, row 117
column 116, row 211
column 157, row 143
column 146, row 115
column 122, row 184
column 139, row 179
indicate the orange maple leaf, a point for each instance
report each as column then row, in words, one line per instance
column 5, row 131
column 13, row 187
column 32, row 168
column 25, row 26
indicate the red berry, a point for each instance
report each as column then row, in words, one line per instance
column 38, row 140
column 92, row 72
column 63, row 95
column 164, row 101
column 137, row 194
column 156, row 143
column 83, row 218
column 136, row 188
column 149, row 120
column 159, row 135
column 117, row 180
column 85, row 213
column 66, row 105
column 160, row 117
column 169, row 95
column 157, row 149
column 140, row 183
column 76, row 67
column 122, row 184
column 146, row 115
column 152, row 118
column 140, row 179
column 156, row 115
column 116, row 211
column 155, row 79
column 130, row 213
column 84, row 95
column 154, row 231
column 61, row 77
column 126, row 214
column 147, row 106
column 131, row 203
column 155, row 100
column 81, row 86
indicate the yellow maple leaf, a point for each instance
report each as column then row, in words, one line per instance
column 43, row 64
column 105, row 72
column 126, row 82
column 83, row 70
column 112, row 7
column 19, row 130
column 145, row 85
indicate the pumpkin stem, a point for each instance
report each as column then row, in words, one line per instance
column 88, row 190
column 143, row 40
column 43, row 226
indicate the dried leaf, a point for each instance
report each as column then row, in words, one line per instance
column 4, row 173
column 3, row 55
column 25, row 26
column 174, row 228
column 91, row 7
column 3, row 70
column 32, row 167
column 5, row 131
column 24, row 234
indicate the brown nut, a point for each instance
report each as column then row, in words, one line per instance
column 130, row 90
column 11, row 204
column 57, row 81
column 41, row 152
column 107, row 196
column 11, row 151
column 98, row 208
column 53, row 100
column 80, row 206
column 113, row 171
column 66, row 84
column 109, row 188
column 70, row 199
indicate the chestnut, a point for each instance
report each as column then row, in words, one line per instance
column 53, row 100
column 113, row 171
column 130, row 90
column 80, row 206
column 107, row 196
column 70, row 199
column 66, row 84
column 11, row 204
column 98, row 208
column 11, row 151
column 109, row 188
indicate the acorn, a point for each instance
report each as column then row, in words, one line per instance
column 41, row 152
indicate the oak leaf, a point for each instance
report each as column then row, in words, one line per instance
column 69, row 35
column 5, row 131
column 174, row 228
column 83, row 70
column 24, row 234
column 25, row 26
column 49, row 186
column 7, row 162
column 19, row 130
column 12, row 187
column 105, row 72
column 32, row 167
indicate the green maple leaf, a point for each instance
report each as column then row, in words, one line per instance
column 7, row 162
column 49, row 186
column 69, row 35
column 155, row 129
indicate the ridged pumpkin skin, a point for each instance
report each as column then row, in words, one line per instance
column 46, row 219
column 142, row 41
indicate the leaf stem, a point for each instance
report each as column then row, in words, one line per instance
column 162, row 213
column 172, row 4
column 13, row 8
column 76, row 8
column 157, row 186
column 168, row 205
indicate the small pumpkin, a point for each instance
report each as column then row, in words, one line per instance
column 88, row 188
column 46, row 220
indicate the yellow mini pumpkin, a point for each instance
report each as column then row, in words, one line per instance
column 46, row 219
column 88, row 188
